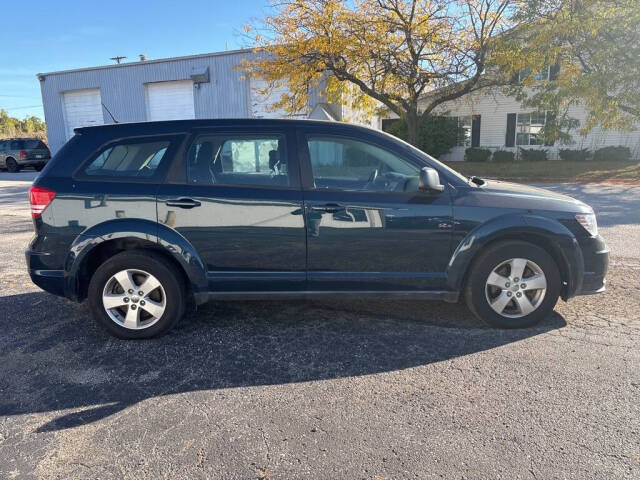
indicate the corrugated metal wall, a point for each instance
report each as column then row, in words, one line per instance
column 123, row 92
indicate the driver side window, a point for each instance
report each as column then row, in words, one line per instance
column 347, row 164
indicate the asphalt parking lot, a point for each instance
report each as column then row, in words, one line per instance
column 354, row 390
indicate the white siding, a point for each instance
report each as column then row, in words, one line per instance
column 170, row 100
column 82, row 108
column 493, row 108
column 263, row 98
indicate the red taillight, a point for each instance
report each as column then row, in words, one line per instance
column 23, row 154
column 40, row 198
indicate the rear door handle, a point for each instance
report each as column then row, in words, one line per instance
column 183, row 203
column 328, row 208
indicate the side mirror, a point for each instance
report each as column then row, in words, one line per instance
column 430, row 180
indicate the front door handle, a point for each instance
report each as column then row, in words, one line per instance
column 328, row 208
column 183, row 203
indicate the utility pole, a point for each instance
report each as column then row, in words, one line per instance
column 117, row 59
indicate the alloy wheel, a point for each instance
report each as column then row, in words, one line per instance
column 516, row 287
column 134, row 299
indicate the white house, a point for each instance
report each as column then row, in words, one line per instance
column 495, row 121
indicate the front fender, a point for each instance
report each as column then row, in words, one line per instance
column 553, row 235
column 169, row 240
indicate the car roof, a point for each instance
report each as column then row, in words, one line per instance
column 18, row 138
column 168, row 126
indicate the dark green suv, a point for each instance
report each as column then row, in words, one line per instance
column 16, row 153
column 143, row 218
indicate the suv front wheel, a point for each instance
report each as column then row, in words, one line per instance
column 136, row 295
column 513, row 284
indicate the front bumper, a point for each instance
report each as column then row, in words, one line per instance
column 596, row 263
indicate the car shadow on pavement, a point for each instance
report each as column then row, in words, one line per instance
column 54, row 358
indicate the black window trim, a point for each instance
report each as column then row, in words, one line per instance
column 175, row 142
column 178, row 174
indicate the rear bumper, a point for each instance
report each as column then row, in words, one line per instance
column 32, row 162
column 596, row 264
column 52, row 281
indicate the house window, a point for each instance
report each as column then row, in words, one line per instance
column 464, row 131
column 545, row 74
column 529, row 128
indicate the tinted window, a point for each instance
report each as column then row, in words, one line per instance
column 128, row 160
column 33, row 144
column 347, row 164
column 3, row 146
column 16, row 145
column 238, row 160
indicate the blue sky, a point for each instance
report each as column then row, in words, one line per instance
column 49, row 35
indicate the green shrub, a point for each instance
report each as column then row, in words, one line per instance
column 477, row 154
column 619, row 154
column 436, row 135
column 503, row 156
column 533, row 155
column 575, row 155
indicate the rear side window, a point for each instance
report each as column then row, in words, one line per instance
column 128, row 160
column 238, row 160
column 16, row 145
column 34, row 144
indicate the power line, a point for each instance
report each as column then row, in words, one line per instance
column 20, row 108
column 18, row 96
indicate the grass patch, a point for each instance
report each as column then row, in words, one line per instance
column 554, row 171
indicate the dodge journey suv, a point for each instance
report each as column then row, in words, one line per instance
column 142, row 219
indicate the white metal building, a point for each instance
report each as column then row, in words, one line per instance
column 198, row 86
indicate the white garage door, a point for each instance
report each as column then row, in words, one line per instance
column 262, row 103
column 170, row 100
column 82, row 108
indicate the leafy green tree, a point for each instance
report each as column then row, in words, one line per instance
column 409, row 55
column 595, row 44
column 13, row 127
column 436, row 135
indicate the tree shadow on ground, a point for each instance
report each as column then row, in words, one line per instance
column 54, row 357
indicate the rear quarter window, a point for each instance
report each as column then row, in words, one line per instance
column 34, row 145
column 128, row 160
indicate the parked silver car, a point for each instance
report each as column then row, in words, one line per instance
column 16, row 153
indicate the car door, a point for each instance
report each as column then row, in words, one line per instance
column 369, row 228
column 236, row 198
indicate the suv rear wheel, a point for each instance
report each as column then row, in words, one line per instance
column 12, row 165
column 513, row 285
column 136, row 295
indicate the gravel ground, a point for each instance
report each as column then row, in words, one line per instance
column 318, row 390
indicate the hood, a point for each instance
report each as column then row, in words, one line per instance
column 525, row 196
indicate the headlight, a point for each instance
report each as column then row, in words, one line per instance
column 588, row 221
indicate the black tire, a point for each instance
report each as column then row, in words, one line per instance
column 147, row 261
column 12, row 165
column 488, row 260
